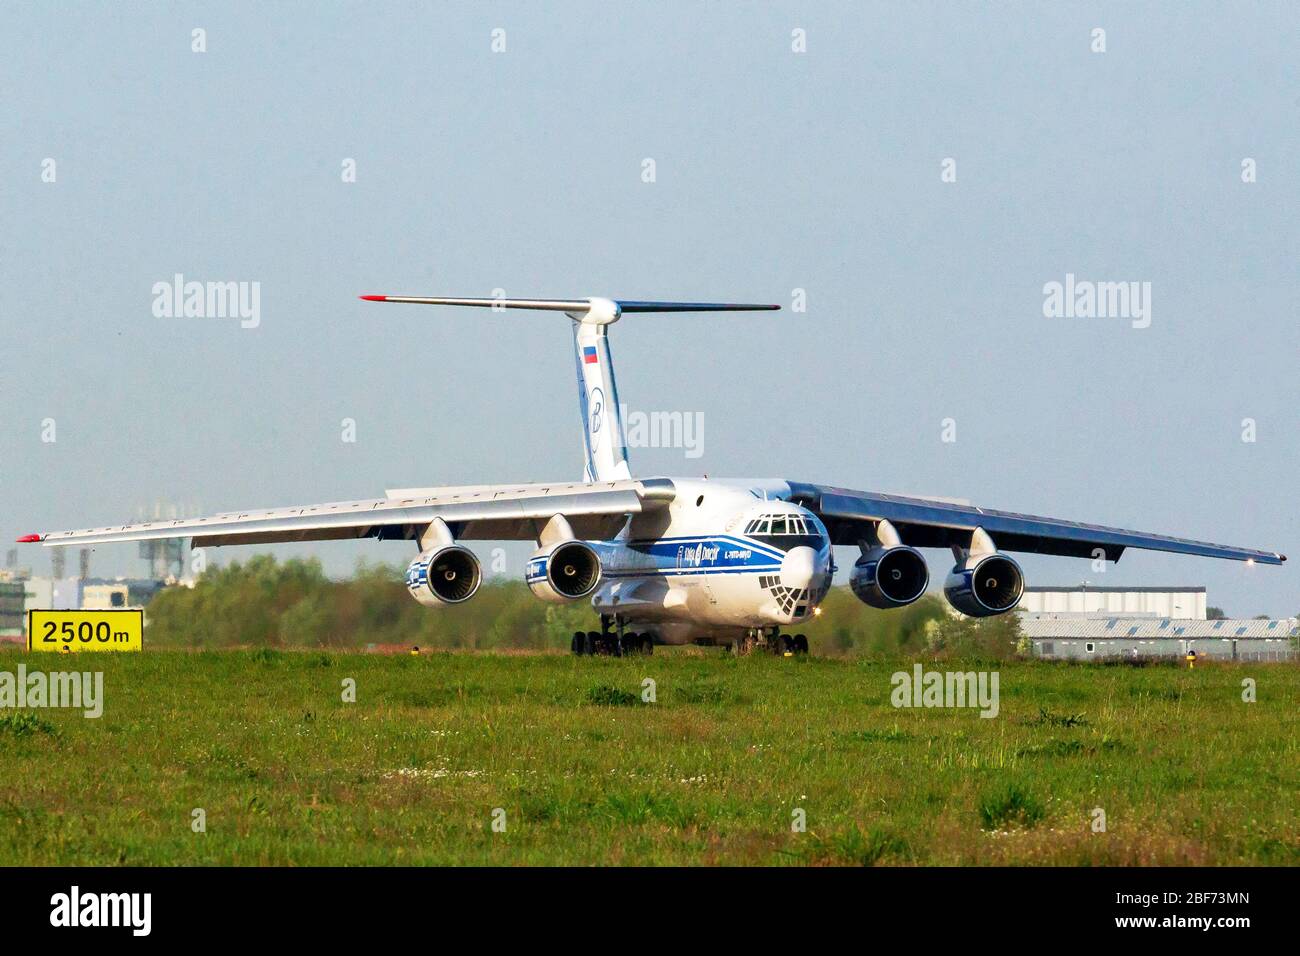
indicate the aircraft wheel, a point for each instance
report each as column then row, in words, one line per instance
column 579, row 643
column 592, row 643
column 786, row 645
column 647, row 645
column 800, row 644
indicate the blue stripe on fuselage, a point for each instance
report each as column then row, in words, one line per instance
column 686, row 572
column 648, row 545
column 692, row 555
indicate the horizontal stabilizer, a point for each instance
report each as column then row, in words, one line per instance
column 550, row 305
column 578, row 307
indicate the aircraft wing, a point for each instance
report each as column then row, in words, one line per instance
column 933, row 523
column 481, row 512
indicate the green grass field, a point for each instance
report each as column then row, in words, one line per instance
column 288, row 773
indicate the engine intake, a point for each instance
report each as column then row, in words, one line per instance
column 565, row 571
column 985, row 585
column 890, row 577
column 443, row 576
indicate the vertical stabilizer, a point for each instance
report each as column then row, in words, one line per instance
column 603, row 436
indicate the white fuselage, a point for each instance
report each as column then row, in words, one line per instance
column 726, row 557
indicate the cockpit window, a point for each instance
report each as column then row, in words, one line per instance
column 783, row 524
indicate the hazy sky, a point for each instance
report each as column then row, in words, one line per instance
column 774, row 170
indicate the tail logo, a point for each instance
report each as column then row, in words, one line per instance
column 596, row 406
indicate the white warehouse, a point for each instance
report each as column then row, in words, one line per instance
column 1185, row 603
column 1093, row 623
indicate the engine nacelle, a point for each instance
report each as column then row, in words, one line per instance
column 564, row 571
column 890, row 577
column 984, row 585
column 442, row 576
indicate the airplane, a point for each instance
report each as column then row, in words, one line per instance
column 738, row 562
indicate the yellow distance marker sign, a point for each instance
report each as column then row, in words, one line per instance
column 63, row 632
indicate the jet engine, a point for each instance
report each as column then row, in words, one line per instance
column 564, row 571
column 985, row 584
column 445, row 575
column 888, row 577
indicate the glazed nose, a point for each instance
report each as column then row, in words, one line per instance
column 799, row 567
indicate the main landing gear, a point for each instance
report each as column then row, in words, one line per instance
column 611, row 640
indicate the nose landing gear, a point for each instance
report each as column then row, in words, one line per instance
column 612, row 639
column 771, row 640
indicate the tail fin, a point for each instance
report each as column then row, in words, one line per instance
column 603, row 436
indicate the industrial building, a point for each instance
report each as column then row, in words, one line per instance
column 1094, row 638
column 1089, row 623
column 20, row 591
column 12, row 609
column 1180, row 602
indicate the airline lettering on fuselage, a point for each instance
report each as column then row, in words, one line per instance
column 694, row 556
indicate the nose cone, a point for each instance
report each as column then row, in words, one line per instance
column 799, row 567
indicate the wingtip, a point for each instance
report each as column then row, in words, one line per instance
column 29, row 539
column 374, row 298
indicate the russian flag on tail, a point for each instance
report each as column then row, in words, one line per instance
column 589, row 354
